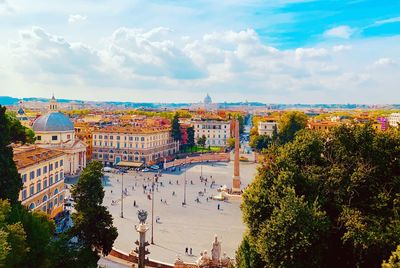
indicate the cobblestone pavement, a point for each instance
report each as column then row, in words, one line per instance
column 193, row 225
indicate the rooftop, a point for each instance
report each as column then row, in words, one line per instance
column 132, row 129
column 26, row 156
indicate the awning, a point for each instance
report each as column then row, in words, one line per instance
column 130, row 164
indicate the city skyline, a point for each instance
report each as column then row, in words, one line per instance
column 177, row 51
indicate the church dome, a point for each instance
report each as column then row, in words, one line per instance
column 54, row 121
column 207, row 99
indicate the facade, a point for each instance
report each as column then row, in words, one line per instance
column 84, row 132
column 394, row 119
column 146, row 145
column 216, row 132
column 55, row 131
column 42, row 173
column 322, row 125
column 267, row 127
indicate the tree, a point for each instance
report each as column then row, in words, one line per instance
column 247, row 256
column 260, row 142
column 11, row 182
column 202, row 141
column 190, row 133
column 93, row 224
column 289, row 124
column 230, row 143
column 394, row 260
column 176, row 131
column 326, row 200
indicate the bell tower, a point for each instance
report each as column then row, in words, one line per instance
column 53, row 107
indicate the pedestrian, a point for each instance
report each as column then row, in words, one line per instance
column 186, row 250
column 218, row 206
column 134, row 203
column 190, row 251
column 161, row 200
column 111, row 191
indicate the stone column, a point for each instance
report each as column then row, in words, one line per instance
column 236, row 171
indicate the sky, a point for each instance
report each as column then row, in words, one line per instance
column 271, row 51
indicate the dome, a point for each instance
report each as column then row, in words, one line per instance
column 207, row 99
column 55, row 121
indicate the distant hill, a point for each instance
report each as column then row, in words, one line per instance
column 5, row 100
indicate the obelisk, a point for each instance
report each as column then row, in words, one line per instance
column 236, row 171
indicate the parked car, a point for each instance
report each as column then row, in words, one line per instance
column 155, row 167
column 145, row 170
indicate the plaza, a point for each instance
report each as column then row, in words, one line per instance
column 193, row 225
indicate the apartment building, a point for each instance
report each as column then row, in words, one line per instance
column 216, row 132
column 267, row 127
column 147, row 145
column 42, row 173
column 394, row 119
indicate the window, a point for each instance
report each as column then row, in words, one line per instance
column 100, row 137
column 56, row 177
column 61, row 163
column 45, row 170
column 24, row 178
column 68, row 136
column 142, row 138
column 51, row 180
column 24, row 194
column 56, row 164
column 32, row 175
column 39, row 138
column 61, row 175
column 111, row 137
column 38, row 186
column 50, row 167
column 31, row 190
column 53, row 138
column 44, row 184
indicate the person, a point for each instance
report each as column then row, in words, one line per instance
column 134, row 203
column 218, row 206
column 133, row 188
column 161, row 200
column 111, row 191
column 186, row 250
column 207, row 199
column 190, row 251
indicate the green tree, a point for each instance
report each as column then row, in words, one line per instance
column 394, row 260
column 176, row 131
column 11, row 182
column 332, row 195
column 230, row 143
column 201, row 141
column 247, row 256
column 190, row 134
column 260, row 142
column 289, row 124
column 93, row 224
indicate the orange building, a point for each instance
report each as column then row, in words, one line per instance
column 84, row 132
column 322, row 125
column 42, row 174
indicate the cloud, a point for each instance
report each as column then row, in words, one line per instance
column 228, row 64
column 76, row 18
column 390, row 20
column 340, row 48
column 342, row 31
column 6, row 8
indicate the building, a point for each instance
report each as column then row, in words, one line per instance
column 394, row 119
column 267, row 127
column 55, row 131
column 42, row 173
column 216, row 132
column 143, row 145
column 322, row 125
column 84, row 132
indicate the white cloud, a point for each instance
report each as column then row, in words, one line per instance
column 228, row 64
column 76, row 18
column 342, row 31
column 340, row 48
column 6, row 8
column 384, row 62
column 390, row 20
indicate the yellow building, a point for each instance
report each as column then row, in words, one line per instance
column 145, row 145
column 42, row 173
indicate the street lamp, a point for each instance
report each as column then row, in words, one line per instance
column 122, row 195
column 152, row 213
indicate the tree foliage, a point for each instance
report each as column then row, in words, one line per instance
column 260, row 142
column 93, row 224
column 175, row 130
column 190, row 134
column 289, row 124
column 327, row 200
column 201, row 141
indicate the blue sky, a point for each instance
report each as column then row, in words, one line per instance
column 172, row 51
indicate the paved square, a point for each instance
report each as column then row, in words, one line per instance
column 192, row 226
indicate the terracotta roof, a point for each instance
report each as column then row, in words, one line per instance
column 131, row 129
column 28, row 156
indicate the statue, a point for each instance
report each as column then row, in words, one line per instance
column 203, row 260
column 216, row 251
column 225, row 260
column 142, row 216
